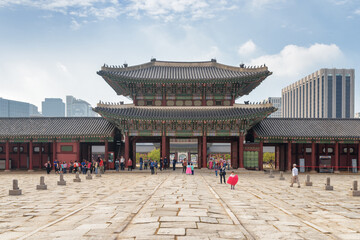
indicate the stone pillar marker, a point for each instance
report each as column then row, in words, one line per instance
column 281, row 175
column 89, row 177
column 354, row 190
column 307, row 181
column 62, row 181
column 15, row 191
column 328, row 187
column 42, row 185
column 77, row 178
column 271, row 174
column 98, row 174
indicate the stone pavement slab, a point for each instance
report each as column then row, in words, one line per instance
column 171, row 205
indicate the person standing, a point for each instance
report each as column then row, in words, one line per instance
column 161, row 164
column 152, row 167
column 222, row 173
column 165, row 162
column 117, row 164
column 122, row 163
column 141, row 163
column 101, row 165
column 146, row 162
column 192, row 168
column 216, row 168
column 184, row 163
column 174, row 163
column 295, row 176
column 232, row 180
column 129, row 163
column 48, row 167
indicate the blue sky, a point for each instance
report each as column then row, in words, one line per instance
column 53, row 48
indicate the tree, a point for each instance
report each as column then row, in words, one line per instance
column 154, row 154
column 267, row 156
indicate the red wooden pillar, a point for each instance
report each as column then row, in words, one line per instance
column 18, row 154
column 241, row 151
column 261, row 155
column 107, row 152
column 134, row 153
column 234, row 154
column 127, row 147
column 78, row 151
column 54, row 153
column 7, row 155
column 204, row 151
column 31, row 155
column 277, row 157
column 336, row 169
column 313, row 159
column 358, row 160
column 199, row 152
column 163, row 145
column 289, row 156
column 40, row 154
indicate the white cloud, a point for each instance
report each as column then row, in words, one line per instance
column 259, row 4
column 357, row 11
column 295, row 61
column 165, row 10
column 247, row 48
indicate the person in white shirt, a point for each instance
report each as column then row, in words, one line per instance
column 122, row 163
column 295, row 176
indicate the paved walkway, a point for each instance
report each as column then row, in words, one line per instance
column 171, row 205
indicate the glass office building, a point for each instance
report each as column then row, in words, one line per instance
column 326, row 93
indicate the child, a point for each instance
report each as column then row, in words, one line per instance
column 192, row 169
column 216, row 167
column 188, row 169
column 232, row 180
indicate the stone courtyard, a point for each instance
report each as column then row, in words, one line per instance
column 171, row 205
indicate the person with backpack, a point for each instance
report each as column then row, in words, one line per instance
column 222, row 173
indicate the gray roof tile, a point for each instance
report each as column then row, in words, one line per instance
column 312, row 128
column 54, row 127
column 185, row 113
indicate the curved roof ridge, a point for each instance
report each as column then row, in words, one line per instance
column 131, row 105
column 156, row 63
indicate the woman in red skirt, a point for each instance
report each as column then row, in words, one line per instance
column 232, row 180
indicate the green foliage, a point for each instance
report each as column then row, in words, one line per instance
column 154, row 154
column 267, row 156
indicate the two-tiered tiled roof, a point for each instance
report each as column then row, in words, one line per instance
column 56, row 127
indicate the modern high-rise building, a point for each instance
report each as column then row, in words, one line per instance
column 11, row 108
column 78, row 108
column 53, row 107
column 357, row 115
column 326, row 93
column 276, row 102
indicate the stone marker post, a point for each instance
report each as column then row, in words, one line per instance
column 42, row 185
column 89, row 177
column 77, row 178
column 62, row 181
column 98, row 174
column 307, row 181
column 15, row 191
column 281, row 175
column 271, row 174
column 354, row 190
column 328, row 186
